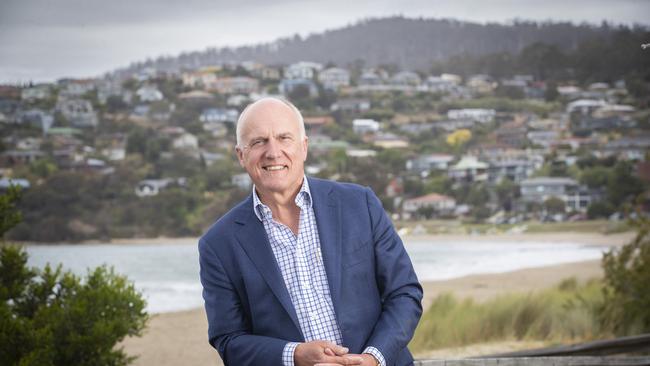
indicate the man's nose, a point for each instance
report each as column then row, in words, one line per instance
column 273, row 149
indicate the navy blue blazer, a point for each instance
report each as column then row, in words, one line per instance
column 375, row 292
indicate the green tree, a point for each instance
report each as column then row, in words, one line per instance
column 51, row 317
column 626, row 308
column 554, row 205
column 9, row 214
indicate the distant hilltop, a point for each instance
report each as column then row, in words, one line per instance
column 407, row 43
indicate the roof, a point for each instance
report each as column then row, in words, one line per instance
column 431, row 197
column 549, row 181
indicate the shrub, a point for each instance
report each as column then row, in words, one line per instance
column 51, row 317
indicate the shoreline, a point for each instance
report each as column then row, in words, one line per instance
column 597, row 239
column 181, row 337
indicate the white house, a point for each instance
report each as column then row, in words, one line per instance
column 475, row 114
column 440, row 204
column 149, row 93
column 186, row 141
column 362, row 126
column 334, row 78
column 302, row 70
column 469, row 169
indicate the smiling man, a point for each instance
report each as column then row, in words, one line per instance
column 304, row 271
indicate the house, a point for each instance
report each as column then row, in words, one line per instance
column 334, row 78
column 423, row 165
column 543, row 138
column 5, row 183
column 28, row 143
column 288, row 86
column 351, row 105
column 438, row 84
column 363, row 126
column 320, row 143
column 584, row 106
column 36, row 92
column 234, row 85
column 481, row 83
column 216, row 129
column 468, row 170
column 200, row 78
column 407, row 78
column 112, row 146
column 315, row 124
column 36, row 117
column 242, row 181
column 20, row 157
column 238, row 100
column 372, row 77
column 569, row 92
column 149, row 93
column 302, row 70
column 538, row 190
column 196, row 95
column 75, row 88
column 79, row 112
column 112, row 88
column 515, row 170
column 186, row 141
column 437, row 204
column 210, row 158
column 390, row 141
column 473, row 114
column 219, row 115
column 512, row 133
column 152, row 187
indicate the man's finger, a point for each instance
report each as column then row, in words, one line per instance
column 336, row 350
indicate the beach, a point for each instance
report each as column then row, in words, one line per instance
column 180, row 338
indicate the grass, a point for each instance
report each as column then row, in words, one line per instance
column 458, row 227
column 567, row 312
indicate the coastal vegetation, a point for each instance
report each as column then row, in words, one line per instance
column 52, row 317
column 570, row 312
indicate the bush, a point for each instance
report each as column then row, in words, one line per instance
column 51, row 317
column 627, row 274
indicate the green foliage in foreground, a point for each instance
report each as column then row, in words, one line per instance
column 627, row 279
column 51, row 317
column 566, row 312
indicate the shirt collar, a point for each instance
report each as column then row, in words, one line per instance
column 302, row 200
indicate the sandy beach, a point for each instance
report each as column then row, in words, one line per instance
column 180, row 338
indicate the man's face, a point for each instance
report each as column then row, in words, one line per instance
column 273, row 152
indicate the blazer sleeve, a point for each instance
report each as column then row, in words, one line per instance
column 400, row 291
column 229, row 329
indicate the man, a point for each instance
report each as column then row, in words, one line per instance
column 304, row 271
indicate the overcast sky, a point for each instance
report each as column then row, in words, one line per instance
column 43, row 40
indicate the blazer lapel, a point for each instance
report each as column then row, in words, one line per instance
column 252, row 238
column 328, row 221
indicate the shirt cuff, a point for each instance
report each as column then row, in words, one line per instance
column 287, row 353
column 376, row 354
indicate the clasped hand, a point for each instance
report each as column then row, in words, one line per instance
column 324, row 353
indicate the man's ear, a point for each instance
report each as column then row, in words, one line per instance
column 240, row 156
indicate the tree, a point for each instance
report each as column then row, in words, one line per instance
column 51, row 317
column 626, row 308
column 554, row 205
column 9, row 214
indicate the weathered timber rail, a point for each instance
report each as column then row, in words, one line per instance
column 583, row 354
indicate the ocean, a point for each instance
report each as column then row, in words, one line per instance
column 167, row 274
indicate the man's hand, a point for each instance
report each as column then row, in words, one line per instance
column 367, row 360
column 324, row 353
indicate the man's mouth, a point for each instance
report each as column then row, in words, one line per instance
column 272, row 168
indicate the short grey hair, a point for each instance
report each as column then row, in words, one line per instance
column 295, row 110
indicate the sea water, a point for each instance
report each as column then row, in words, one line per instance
column 168, row 274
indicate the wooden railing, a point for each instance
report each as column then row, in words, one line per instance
column 584, row 354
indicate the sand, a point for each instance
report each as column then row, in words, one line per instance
column 180, row 338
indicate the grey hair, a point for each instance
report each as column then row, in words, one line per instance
column 295, row 110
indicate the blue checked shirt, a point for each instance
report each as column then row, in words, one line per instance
column 301, row 264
